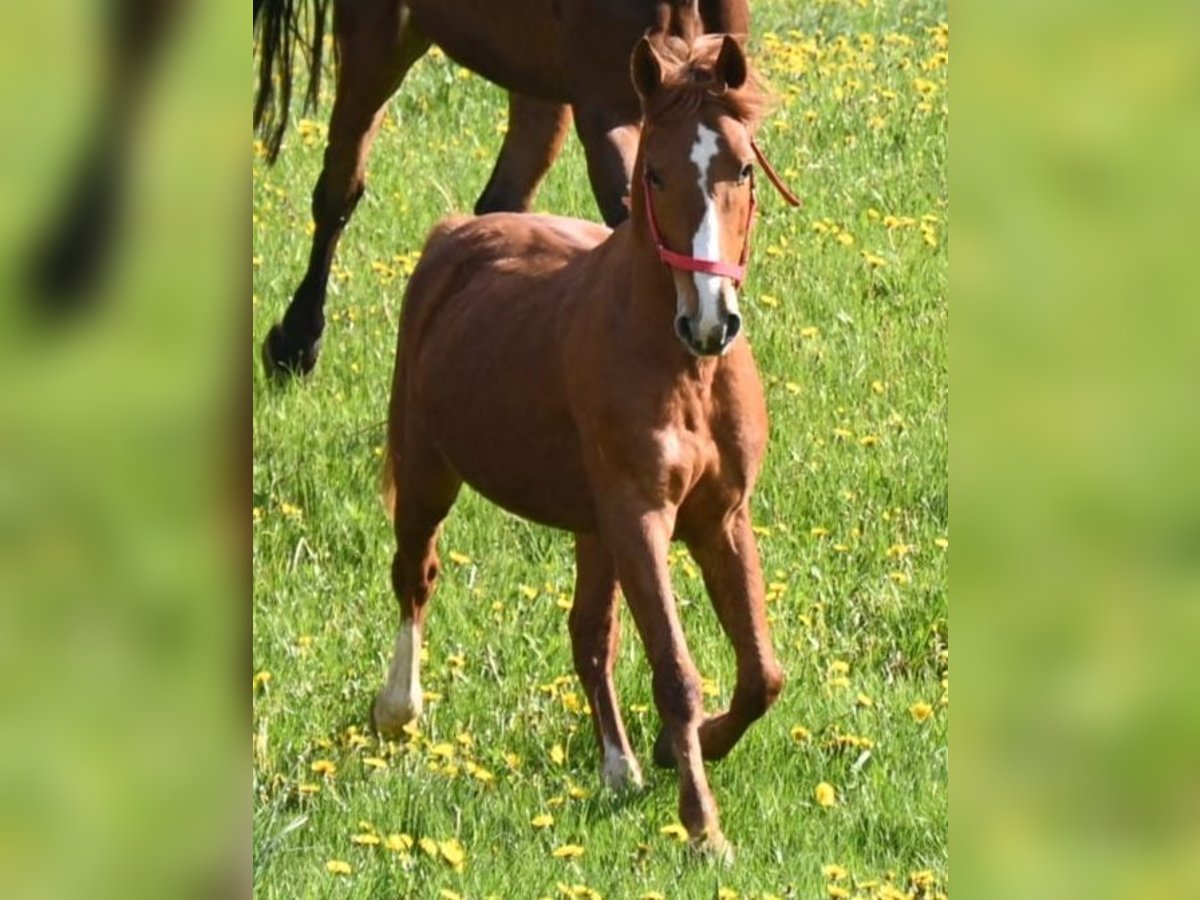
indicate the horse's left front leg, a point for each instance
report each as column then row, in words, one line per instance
column 728, row 558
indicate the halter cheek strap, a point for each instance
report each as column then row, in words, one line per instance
column 683, row 262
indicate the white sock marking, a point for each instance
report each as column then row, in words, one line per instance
column 620, row 772
column 402, row 700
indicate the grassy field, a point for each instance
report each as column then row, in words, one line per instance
column 846, row 309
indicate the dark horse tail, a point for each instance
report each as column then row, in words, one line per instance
column 279, row 25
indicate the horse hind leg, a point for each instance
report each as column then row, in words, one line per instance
column 535, row 135
column 377, row 44
column 425, row 489
column 595, row 632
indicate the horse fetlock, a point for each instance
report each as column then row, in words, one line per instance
column 621, row 772
column 712, row 845
column 284, row 357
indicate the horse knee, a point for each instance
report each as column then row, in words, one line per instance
column 678, row 697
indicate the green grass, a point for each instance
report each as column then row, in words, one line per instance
column 852, row 499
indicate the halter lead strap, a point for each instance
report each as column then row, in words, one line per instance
column 681, row 261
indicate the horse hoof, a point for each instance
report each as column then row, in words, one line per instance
column 664, row 753
column 711, row 845
column 622, row 774
column 389, row 721
column 283, row 358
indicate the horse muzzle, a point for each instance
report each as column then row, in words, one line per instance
column 708, row 339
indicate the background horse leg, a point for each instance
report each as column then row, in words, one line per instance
column 67, row 264
column 377, row 45
column 425, row 490
column 728, row 559
column 535, row 135
column 595, row 632
column 638, row 544
column 610, row 145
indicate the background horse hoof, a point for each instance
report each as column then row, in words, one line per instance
column 284, row 358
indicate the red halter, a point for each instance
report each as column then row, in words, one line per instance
column 715, row 266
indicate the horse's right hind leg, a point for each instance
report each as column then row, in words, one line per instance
column 377, row 45
column 535, row 135
column 425, row 490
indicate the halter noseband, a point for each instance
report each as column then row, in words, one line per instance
column 687, row 263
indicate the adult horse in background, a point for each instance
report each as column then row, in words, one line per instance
column 555, row 58
column 597, row 381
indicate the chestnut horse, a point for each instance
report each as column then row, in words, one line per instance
column 556, row 58
column 596, row 381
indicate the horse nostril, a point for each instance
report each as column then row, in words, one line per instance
column 683, row 328
column 732, row 326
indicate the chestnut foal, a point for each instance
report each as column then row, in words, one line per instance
column 595, row 381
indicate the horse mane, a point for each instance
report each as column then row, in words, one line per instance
column 689, row 82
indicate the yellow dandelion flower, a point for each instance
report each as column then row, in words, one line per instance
column 674, row 830
column 825, row 795
column 869, row 440
column 557, row 756
column 398, row 843
column 846, row 239
column 429, row 846
column 261, row 679
column 528, row 592
column 836, row 893
column 453, row 852
column 727, row 894
column 800, row 734
column 366, row 840
column 567, row 851
column 309, row 788
column 447, row 894
column 941, row 542
column 920, row 711
column 768, row 300
column 922, row 880
column 375, row 762
column 338, row 867
column 459, row 558
column 444, row 750
column 809, row 331
column 834, row 872
column 864, row 701
column 652, row 895
column 542, row 820
column 791, row 387
column 324, row 767
column 575, row 792
column 708, row 687
column 874, row 260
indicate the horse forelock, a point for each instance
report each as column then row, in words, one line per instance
column 689, row 83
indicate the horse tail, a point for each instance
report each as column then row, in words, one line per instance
column 279, row 25
column 387, row 481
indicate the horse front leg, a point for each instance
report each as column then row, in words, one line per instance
column 377, row 44
column 728, row 559
column 638, row 540
column 535, row 135
column 595, row 632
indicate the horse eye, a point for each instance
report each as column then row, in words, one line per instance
column 743, row 175
column 654, row 178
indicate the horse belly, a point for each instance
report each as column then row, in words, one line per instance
column 500, row 421
column 515, row 45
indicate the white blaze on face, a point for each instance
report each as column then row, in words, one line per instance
column 401, row 700
column 706, row 243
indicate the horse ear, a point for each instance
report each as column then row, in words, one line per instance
column 731, row 63
column 645, row 69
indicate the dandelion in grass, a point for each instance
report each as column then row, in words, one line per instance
column 825, row 795
column 367, row 840
column 567, row 851
column 834, row 872
column 338, row 867
column 725, row 893
column 542, row 820
column 459, row 558
column 557, row 756
column 454, row 853
column 398, row 843
column 674, row 830
column 324, row 767
column 808, row 332
column 800, row 734
column 428, row 846
column 835, row 892
column 652, row 895
column 920, row 711
column 447, row 894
